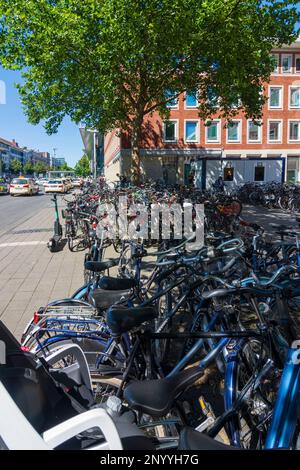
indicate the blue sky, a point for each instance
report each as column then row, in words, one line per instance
column 13, row 125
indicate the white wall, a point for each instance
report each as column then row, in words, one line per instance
column 243, row 170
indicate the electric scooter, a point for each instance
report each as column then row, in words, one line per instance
column 54, row 243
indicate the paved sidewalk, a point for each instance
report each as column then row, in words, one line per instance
column 31, row 276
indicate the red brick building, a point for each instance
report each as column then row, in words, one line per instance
column 241, row 152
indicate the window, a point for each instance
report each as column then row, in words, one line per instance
column 191, row 131
column 259, row 172
column 294, row 130
column 191, row 100
column 292, row 169
column 254, row 132
column 172, row 103
column 212, row 97
column 276, row 60
column 274, row 133
column 297, row 64
column 170, row 131
column 286, row 63
column 294, row 97
column 233, row 131
column 212, row 131
column 275, row 98
column 228, row 172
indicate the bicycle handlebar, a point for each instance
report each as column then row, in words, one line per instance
column 284, row 269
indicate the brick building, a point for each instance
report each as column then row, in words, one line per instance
column 241, row 152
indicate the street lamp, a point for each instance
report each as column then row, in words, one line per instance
column 53, row 158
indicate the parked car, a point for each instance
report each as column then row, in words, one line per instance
column 41, row 181
column 23, row 186
column 55, row 186
column 77, row 183
column 4, row 186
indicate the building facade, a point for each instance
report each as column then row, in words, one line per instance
column 240, row 152
column 10, row 150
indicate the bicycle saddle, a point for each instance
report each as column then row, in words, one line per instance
column 99, row 266
column 102, row 299
column 190, row 439
column 122, row 319
column 155, row 397
column 116, row 283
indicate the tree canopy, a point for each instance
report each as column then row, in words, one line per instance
column 28, row 168
column 109, row 63
column 82, row 167
column 15, row 166
column 40, row 167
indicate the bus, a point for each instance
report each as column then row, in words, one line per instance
column 52, row 175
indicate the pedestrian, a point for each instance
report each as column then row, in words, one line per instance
column 191, row 178
column 219, row 185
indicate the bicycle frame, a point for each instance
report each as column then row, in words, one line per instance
column 285, row 414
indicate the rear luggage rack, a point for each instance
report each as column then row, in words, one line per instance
column 68, row 311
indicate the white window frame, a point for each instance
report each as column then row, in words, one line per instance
column 238, row 141
column 197, row 121
column 279, row 141
column 280, row 97
column 250, row 141
column 217, row 141
column 297, row 56
column 191, row 107
column 288, row 131
column 175, row 106
column 176, row 131
column 290, row 93
column 291, row 66
column 276, row 71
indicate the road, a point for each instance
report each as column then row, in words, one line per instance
column 16, row 210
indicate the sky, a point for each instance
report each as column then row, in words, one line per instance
column 14, row 125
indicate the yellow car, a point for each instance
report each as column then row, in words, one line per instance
column 23, row 187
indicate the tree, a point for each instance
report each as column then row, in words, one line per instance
column 65, row 167
column 82, row 167
column 40, row 167
column 28, row 168
column 110, row 63
column 15, row 166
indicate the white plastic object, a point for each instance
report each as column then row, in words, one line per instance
column 18, row 434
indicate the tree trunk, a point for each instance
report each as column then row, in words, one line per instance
column 135, row 152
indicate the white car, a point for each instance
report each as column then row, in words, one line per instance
column 23, row 187
column 55, row 186
column 77, row 183
column 42, row 181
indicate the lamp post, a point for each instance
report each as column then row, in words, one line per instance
column 52, row 162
